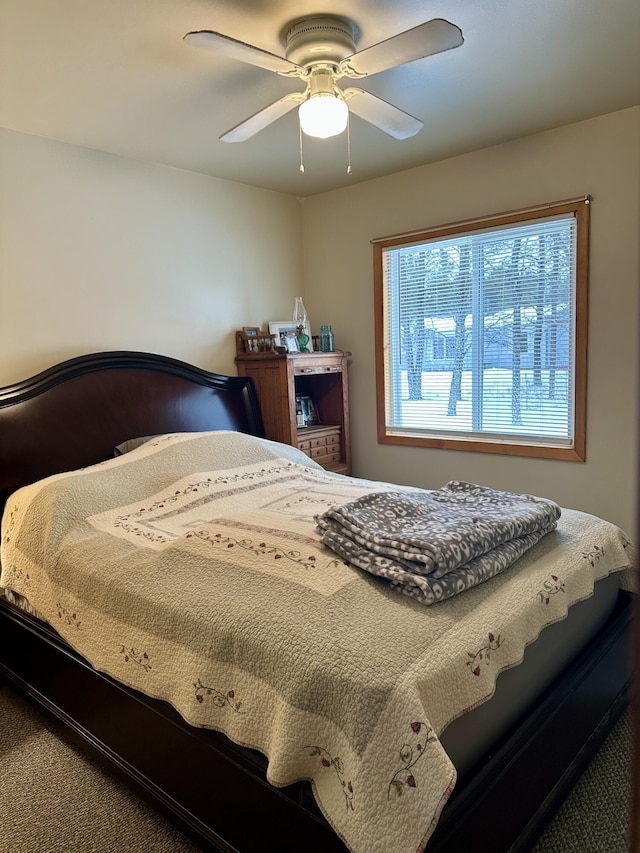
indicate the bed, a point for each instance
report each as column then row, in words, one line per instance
column 511, row 756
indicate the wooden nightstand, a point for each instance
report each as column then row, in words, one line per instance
column 320, row 375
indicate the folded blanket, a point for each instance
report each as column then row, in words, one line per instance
column 432, row 545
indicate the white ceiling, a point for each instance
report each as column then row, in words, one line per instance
column 115, row 75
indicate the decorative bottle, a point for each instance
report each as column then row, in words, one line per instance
column 300, row 320
column 326, row 339
column 299, row 312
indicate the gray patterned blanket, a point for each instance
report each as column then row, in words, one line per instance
column 432, row 545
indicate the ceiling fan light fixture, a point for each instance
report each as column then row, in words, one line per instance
column 320, row 51
column 323, row 115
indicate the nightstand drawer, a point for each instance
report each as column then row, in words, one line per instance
column 316, row 452
column 326, row 458
column 317, row 364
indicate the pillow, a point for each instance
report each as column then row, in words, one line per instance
column 130, row 444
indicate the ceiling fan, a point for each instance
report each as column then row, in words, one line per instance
column 320, row 51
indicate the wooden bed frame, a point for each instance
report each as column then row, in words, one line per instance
column 74, row 414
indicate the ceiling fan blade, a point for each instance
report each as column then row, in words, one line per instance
column 384, row 116
column 424, row 40
column 258, row 121
column 234, row 49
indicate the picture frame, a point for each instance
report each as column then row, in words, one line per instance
column 253, row 340
column 308, row 411
column 290, row 341
column 288, row 327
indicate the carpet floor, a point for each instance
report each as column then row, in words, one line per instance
column 54, row 798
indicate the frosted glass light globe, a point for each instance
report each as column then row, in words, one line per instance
column 323, row 115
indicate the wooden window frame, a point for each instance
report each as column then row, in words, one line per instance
column 507, row 446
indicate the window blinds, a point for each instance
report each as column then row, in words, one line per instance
column 479, row 333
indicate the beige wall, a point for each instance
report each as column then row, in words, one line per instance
column 101, row 252
column 600, row 157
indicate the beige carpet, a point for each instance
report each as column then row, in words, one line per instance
column 595, row 818
column 56, row 799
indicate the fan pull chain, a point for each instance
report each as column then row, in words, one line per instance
column 349, row 142
column 301, row 169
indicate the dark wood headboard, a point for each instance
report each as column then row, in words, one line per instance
column 75, row 413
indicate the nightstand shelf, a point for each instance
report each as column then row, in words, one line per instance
column 320, row 375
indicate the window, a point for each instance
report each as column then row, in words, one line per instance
column 481, row 334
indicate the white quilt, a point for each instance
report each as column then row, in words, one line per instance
column 191, row 569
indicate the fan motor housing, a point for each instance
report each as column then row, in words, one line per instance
column 319, row 39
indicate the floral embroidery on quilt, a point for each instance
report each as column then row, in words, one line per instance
column 66, row 616
column 483, row 655
column 594, row 555
column 218, row 698
column 260, row 548
column 141, row 658
column 11, row 524
column 409, row 757
column 335, row 762
column 550, row 587
column 306, row 500
column 20, row 574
